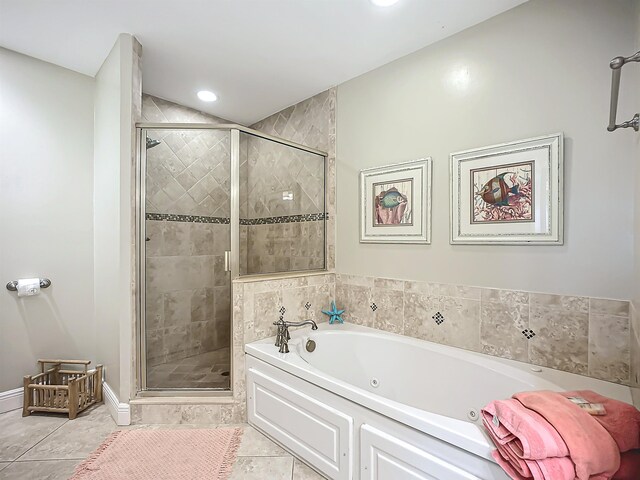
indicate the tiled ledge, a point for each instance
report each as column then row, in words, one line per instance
column 280, row 276
column 588, row 336
column 185, row 400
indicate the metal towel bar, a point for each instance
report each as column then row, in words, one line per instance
column 616, row 66
column 13, row 285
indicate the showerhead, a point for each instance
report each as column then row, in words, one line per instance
column 152, row 143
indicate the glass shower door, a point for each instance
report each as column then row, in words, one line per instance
column 186, row 324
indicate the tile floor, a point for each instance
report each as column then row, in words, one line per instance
column 205, row 370
column 48, row 447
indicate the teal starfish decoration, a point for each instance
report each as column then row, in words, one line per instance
column 334, row 314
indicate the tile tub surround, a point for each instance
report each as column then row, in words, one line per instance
column 296, row 298
column 588, row 336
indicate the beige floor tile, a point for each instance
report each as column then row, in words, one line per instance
column 303, row 472
column 76, row 439
column 21, row 433
column 255, row 444
column 4, row 464
column 39, row 470
column 262, row 468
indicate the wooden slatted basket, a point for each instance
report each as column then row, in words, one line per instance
column 59, row 390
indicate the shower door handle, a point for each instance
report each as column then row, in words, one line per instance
column 227, row 261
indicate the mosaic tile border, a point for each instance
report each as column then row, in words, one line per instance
column 306, row 217
column 172, row 217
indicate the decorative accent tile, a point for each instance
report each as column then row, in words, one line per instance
column 438, row 318
column 374, row 307
column 307, row 217
column 307, row 305
column 282, row 310
column 174, row 217
column 528, row 333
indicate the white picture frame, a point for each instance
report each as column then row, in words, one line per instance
column 395, row 203
column 508, row 194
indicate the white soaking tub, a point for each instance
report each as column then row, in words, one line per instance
column 366, row 404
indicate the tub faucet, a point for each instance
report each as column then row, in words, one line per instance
column 283, row 337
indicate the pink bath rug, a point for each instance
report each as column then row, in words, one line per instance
column 183, row 454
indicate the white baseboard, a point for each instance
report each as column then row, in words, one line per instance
column 11, row 399
column 120, row 412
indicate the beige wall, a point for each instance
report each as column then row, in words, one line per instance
column 117, row 106
column 537, row 69
column 46, row 229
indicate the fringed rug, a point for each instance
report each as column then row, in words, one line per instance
column 163, row 454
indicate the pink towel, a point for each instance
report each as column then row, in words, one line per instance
column 622, row 420
column 523, row 431
column 592, row 450
column 549, row 469
column 552, row 468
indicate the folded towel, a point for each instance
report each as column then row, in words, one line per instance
column 553, row 468
column 592, row 450
column 523, row 431
column 622, row 420
column 549, row 469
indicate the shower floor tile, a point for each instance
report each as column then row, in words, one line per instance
column 206, row 370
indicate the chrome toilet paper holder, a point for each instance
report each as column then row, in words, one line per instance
column 12, row 286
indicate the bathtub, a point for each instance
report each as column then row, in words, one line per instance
column 367, row 404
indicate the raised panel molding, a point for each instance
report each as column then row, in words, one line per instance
column 321, row 435
column 386, row 457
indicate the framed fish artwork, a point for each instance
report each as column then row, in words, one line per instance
column 510, row 194
column 396, row 203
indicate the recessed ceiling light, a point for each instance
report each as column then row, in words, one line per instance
column 207, row 96
column 384, row 3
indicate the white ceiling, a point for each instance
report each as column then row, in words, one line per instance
column 259, row 56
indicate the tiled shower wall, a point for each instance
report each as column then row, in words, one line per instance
column 187, row 290
column 587, row 336
column 276, row 238
column 188, row 293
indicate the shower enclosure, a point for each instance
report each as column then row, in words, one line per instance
column 216, row 202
